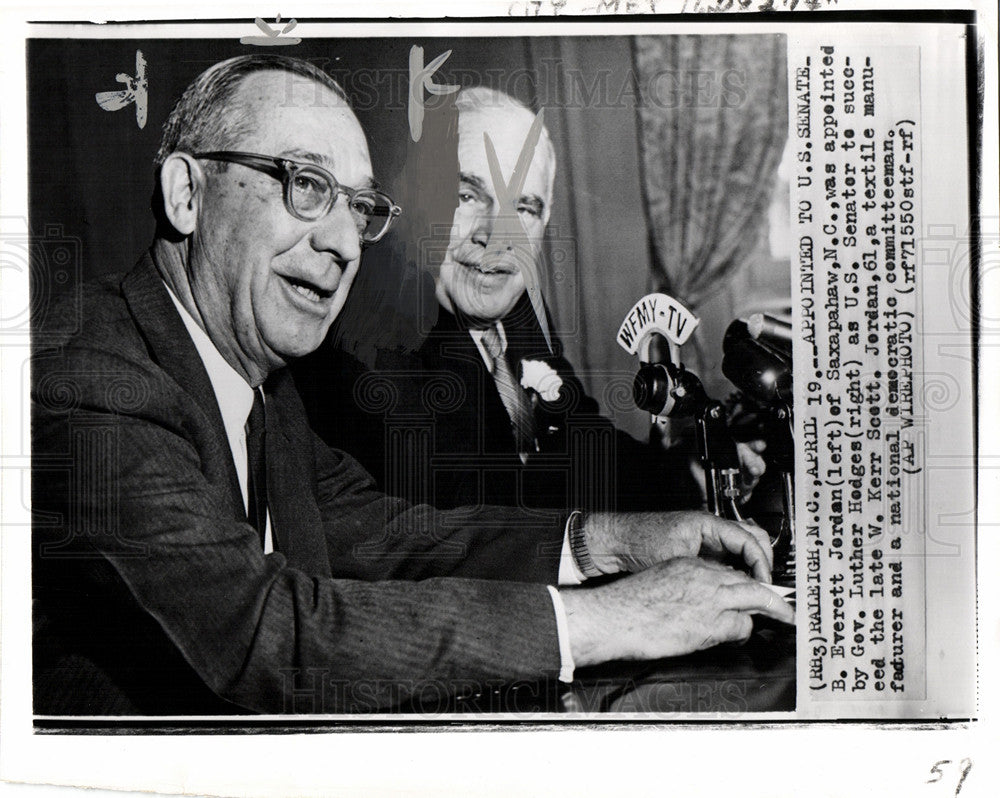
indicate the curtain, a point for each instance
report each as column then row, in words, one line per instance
column 713, row 116
column 667, row 150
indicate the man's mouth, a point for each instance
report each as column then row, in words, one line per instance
column 485, row 270
column 308, row 290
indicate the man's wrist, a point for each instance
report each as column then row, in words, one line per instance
column 591, row 630
column 602, row 536
column 580, row 547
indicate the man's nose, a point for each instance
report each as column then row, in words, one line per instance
column 483, row 226
column 337, row 233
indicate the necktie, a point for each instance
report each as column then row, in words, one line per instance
column 511, row 394
column 256, row 467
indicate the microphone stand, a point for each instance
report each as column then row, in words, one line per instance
column 784, row 459
column 666, row 389
column 717, row 451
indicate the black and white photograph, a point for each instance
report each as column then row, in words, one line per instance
column 446, row 382
column 557, row 378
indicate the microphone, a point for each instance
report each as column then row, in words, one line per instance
column 664, row 389
column 760, row 371
column 771, row 332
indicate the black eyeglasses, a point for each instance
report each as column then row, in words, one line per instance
column 310, row 192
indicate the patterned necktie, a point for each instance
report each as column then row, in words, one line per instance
column 256, row 467
column 514, row 399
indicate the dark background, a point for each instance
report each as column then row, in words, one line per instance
column 91, row 180
column 91, row 170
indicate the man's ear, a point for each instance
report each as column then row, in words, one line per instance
column 182, row 182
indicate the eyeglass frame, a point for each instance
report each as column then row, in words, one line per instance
column 284, row 170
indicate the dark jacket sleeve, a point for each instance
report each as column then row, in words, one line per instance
column 140, row 493
column 374, row 536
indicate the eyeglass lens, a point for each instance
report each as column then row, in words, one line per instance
column 310, row 194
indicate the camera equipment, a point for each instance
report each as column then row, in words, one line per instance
column 757, row 359
column 655, row 326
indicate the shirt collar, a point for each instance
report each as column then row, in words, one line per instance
column 232, row 392
column 477, row 336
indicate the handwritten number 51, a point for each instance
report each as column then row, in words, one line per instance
column 938, row 774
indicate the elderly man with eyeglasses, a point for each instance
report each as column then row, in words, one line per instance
column 198, row 550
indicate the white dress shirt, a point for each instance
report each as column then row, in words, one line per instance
column 235, row 398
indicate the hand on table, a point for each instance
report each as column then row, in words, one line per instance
column 667, row 610
column 633, row 541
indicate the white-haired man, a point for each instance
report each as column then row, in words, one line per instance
column 508, row 420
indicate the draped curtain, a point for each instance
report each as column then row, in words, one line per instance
column 597, row 252
column 713, row 122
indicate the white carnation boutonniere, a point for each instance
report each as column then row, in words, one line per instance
column 540, row 377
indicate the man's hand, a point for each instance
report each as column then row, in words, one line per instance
column 752, row 468
column 634, row 541
column 671, row 609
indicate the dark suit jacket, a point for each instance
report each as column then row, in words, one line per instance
column 152, row 594
column 430, row 426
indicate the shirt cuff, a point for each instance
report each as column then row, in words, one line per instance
column 567, row 666
column 569, row 573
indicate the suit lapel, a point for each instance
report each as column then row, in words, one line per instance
column 295, row 518
column 173, row 350
column 450, row 348
column 525, row 340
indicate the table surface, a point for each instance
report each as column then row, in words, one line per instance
column 728, row 680
column 757, row 676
